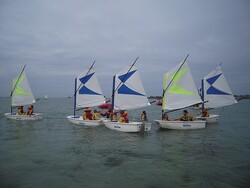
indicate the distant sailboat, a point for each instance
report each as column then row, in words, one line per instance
column 128, row 93
column 22, row 95
column 87, row 94
column 215, row 93
column 45, row 97
column 179, row 92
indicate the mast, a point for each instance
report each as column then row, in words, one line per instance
column 113, row 93
column 202, row 94
column 75, row 98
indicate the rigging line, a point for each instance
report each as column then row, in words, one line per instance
column 17, row 81
column 85, row 75
column 126, row 74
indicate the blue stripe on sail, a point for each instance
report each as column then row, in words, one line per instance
column 85, row 79
column 125, row 90
column 87, row 91
column 126, row 76
column 213, row 79
column 212, row 90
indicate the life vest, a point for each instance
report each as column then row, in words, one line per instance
column 205, row 113
column 124, row 118
column 143, row 117
column 88, row 115
column 97, row 115
column 188, row 117
column 113, row 115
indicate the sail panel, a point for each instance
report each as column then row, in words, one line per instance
column 89, row 93
column 130, row 93
column 217, row 92
column 21, row 94
column 180, row 88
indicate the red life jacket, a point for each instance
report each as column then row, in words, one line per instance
column 89, row 115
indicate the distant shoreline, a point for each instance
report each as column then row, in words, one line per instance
column 237, row 97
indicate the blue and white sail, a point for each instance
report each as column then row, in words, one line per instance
column 217, row 92
column 129, row 93
column 88, row 91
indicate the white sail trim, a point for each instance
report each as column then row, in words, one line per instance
column 181, row 92
column 129, row 93
column 21, row 94
column 89, row 93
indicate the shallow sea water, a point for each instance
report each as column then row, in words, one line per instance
column 52, row 152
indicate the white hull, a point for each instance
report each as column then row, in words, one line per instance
column 127, row 127
column 79, row 121
column 33, row 117
column 181, row 125
column 211, row 119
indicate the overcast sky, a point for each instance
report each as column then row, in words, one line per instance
column 58, row 39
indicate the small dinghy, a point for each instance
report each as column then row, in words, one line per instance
column 179, row 92
column 128, row 93
column 87, row 94
column 21, row 95
column 215, row 93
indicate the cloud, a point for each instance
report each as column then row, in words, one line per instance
column 60, row 39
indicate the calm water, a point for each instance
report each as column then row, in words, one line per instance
column 54, row 153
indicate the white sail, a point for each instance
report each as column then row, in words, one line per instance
column 129, row 93
column 21, row 93
column 89, row 93
column 180, row 90
column 217, row 92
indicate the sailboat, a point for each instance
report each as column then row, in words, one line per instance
column 127, row 94
column 215, row 93
column 179, row 92
column 21, row 95
column 87, row 94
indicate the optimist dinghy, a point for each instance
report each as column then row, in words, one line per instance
column 128, row 93
column 215, row 93
column 179, row 92
column 21, row 95
column 87, row 94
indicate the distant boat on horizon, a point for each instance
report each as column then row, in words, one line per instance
column 45, row 97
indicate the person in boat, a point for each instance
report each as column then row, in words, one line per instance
column 88, row 114
column 186, row 117
column 113, row 116
column 96, row 114
column 123, row 117
column 144, row 116
column 165, row 117
column 107, row 114
column 30, row 110
column 204, row 113
column 20, row 110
